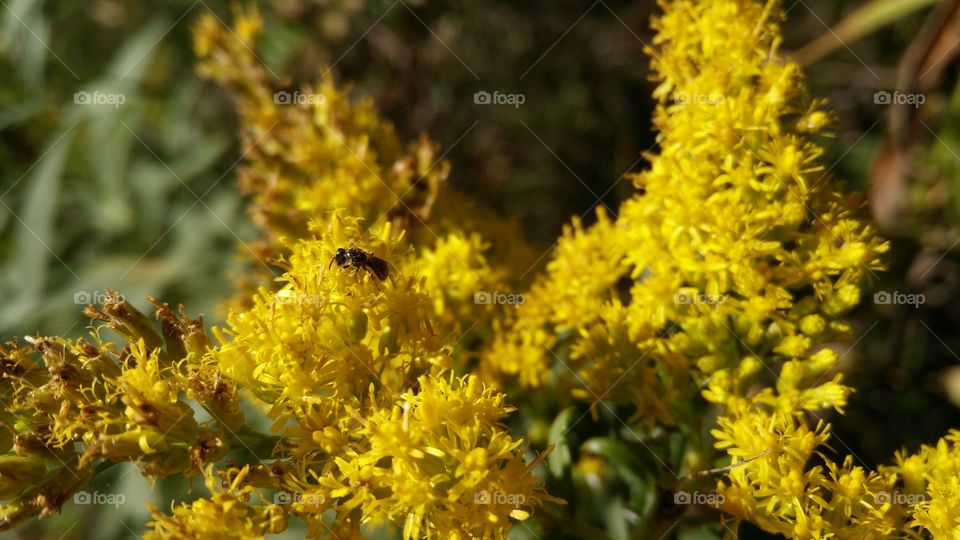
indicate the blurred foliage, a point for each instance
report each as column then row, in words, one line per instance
column 95, row 195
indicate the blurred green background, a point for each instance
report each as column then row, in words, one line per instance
column 139, row 197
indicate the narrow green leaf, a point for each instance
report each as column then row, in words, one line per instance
column 560, row 459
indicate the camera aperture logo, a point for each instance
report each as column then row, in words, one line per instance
column 898, row 298
column 497, row 298
column 696, row 497
column 99, row 98
column 111, row 499
column 483, row 97
column 507, row 499
column 298, row 98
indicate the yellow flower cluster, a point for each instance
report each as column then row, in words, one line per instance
column 714, row 298
column 372, row 423
column 735, row 254
column 375, row 425
column 226, row 514
column 931, row 487
column 354, row 369
column 315, row 150
column 731, row 269
column 88, row 404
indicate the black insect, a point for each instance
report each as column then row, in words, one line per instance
column 357, row 258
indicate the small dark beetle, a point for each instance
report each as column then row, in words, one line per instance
column 357, row 258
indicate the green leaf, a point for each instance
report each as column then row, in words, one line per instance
column 35, row 245
column 631, row 468
column 560, row 459
column 616, row 520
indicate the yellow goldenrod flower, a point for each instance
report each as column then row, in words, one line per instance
column 359, row 385
column 226, row 514
column 711, row 301
column 931, row 486
column 732, row 268
column 88, row 404
column 315, row 150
